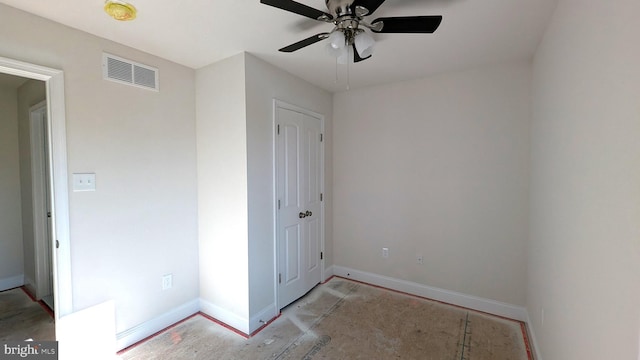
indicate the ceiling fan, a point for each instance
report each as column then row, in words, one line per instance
column 349, row 31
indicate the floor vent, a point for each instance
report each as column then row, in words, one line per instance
column 128, row 72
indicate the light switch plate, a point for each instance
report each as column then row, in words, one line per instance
column 84, row 182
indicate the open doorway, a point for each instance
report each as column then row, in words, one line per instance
column 51, row 278
column 26, row 255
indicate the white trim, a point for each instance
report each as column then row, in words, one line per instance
column 451, row 297
column 62, row 281
column 131, row 336
column 262, row 317
column 533, row 342
column 54, row 82
column 225, row 316
column 11, row 282
column 274, row 167
column 30, row 285
column 328, row 272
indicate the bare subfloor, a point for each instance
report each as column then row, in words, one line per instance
column 343, row 319
column 22, row 318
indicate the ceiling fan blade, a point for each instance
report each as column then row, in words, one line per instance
column 297, row 8
column 306, row 42
column 371, row 5
column 356, row 56
column 409, row 24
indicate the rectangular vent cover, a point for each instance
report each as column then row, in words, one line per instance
column 125, row 71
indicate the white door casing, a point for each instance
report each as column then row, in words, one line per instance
column 299, row 214
column 54, row 83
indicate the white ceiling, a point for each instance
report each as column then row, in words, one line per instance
column 196, row 33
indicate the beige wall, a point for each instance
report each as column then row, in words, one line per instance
column 141, row 223
column 222, row 190
column 11, row 262
column 584, row 252
column 437, row 167
column 30, row 93
column 264, row 84
column 235, row 183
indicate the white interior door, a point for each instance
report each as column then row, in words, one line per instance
column 41, row 203
column 299, row 218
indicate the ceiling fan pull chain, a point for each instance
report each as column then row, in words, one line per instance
column 348, row 62
column 336, row 71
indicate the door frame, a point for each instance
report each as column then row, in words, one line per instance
column 58, row 177
column 39, row 184
column 279, row 104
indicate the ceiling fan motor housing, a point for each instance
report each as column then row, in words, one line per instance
column 339, row 8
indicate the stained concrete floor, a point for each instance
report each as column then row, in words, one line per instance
column 22, row 318
column 343, row 319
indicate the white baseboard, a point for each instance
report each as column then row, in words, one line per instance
column 135, row 334
column 262, row 317
column 451, row 297
column 328, row 273
column 225, row 316
column 11, row 282
column 533, row 342
column 148, row 328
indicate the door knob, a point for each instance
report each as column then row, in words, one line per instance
column 302, row 215
column 308, row 213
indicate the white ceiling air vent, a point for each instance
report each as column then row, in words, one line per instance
column 125, row 71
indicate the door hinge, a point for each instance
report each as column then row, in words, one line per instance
column 321, row 196
column 280, row 278
column 57, row 244
column 278, row 204
column 278, row 129
column 321, row 137
column 48, row 214
column 321, row 255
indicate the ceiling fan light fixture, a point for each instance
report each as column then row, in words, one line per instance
column 364, row 43
column 333, row 51
column 120, row 10
column 337, row 40
column 337, row 53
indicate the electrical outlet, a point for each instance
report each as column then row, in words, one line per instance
column 167, row 282
column 420, row 259
column 385, row 252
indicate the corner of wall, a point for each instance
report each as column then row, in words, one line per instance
column 533, row 341
column 235, row 321
column 142, row 331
